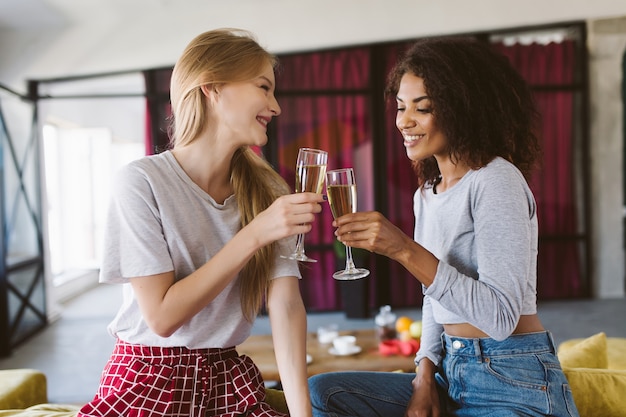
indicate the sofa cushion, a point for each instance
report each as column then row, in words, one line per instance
column 43, row 410
column 21, row 388
column 598, row 392
column 587, row 353
column 276, row 398
column 616, row 351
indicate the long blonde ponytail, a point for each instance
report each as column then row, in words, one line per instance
column 256, row 186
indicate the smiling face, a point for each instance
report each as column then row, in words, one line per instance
column 415, row 118
column 243, row 109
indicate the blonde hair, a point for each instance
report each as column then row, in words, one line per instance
column 212, row 58
column 218, row 57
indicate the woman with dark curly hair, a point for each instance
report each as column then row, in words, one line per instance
column 468, row 123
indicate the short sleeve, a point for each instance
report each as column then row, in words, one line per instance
column 285, row 267
column 134, row 244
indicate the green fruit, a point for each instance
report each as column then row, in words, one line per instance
column 415, row 329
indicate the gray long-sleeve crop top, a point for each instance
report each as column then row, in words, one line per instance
column 484, row 232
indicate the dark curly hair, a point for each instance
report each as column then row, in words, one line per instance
column 480, row 102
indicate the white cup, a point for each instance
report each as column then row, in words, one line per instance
column 326, row 334
column 344, row 344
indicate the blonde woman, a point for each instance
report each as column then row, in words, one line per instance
column 195, row 235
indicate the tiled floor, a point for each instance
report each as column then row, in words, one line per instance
column 73, row 350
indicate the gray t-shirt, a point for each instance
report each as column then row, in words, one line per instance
column 484, row 232
column 159, row 221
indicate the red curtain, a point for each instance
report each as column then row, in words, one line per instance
column 327, row 100
column 149, row 142
column 325, row 105
column 550, row 70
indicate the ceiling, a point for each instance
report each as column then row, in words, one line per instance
column 27, row 14
column 42, row 39
column 49, row 14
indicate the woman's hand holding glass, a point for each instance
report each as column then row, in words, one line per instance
column 370, row 230
column 287, row 216
column 341, row 190
column 310, row 170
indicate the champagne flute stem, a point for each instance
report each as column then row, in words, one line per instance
column 300, row 245
column 349, row 262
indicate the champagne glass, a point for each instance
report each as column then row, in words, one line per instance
column 310, row 171
column 341, row 190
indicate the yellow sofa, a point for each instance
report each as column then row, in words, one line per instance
column 23, row 393
column 595, row 368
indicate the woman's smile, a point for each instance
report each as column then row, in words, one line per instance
column 412, row 140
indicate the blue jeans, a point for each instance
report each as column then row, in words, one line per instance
column 520, row 376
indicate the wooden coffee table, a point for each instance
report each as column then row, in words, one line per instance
column 261, row 349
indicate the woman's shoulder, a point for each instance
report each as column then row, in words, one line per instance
column 146, row 167
column 501, row 181
column 148, row 162
column 500, row 164
column 141, row 175
column 499, row 170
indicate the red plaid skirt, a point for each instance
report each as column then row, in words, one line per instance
column 179, row 382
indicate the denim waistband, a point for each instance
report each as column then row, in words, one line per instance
column 540, row 342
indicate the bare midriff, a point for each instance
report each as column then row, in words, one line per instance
column 526, row 324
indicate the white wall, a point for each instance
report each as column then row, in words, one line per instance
column 607, row 43
column 137, row 34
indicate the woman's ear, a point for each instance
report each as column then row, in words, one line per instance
column 208, row 89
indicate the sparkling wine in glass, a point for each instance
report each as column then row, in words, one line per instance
column 310, row 173
column 341, row 191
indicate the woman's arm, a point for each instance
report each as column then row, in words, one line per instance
column 430, row 342
column 504, row 225
column 289, row 327
column 372, row 231
column 425, row 399
column 167, row 304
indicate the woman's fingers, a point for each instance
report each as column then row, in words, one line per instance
column 370, row 222
column 289, row 215
column 367, row 230
column 301, row 203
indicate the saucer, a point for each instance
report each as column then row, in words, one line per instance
column 353, row 351
column 309, row 359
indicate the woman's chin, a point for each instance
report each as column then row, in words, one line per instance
column 413, row 155
column 259, row 142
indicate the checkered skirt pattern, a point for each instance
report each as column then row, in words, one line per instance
column 141, row 381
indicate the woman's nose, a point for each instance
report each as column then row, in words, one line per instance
column 274, row 106
column 403, row 121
